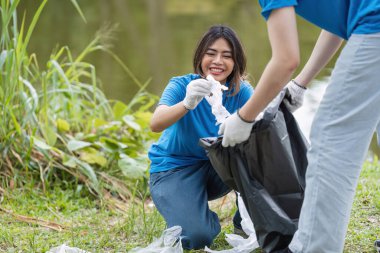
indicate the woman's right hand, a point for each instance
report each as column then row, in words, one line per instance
column 294, row 96
column 196, row 90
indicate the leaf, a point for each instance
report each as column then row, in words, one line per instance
column 32, row 25
column 88, row 171
column 69, row 161
column 93, row 158
column 75, row 145
column 111, row 126
column 32, row 92
column 129, row 120
column 3, row 57
column 119, row 110
column 143, row 118
column 63, row 125
column 49, row 133
column 131, row 168
column 112, row 144
column 78, row 189
column 99, row 122
column 15, row 123
column 76, row 5
column 90, row 138
column 40, row 143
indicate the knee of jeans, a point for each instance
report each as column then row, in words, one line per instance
column 198, row 239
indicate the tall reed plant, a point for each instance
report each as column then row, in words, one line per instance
column 58, row 127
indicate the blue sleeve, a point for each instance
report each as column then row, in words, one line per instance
column 246, row 91
column 269, row 5
column 174, row 92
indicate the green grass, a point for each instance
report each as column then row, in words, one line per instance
column 364, row 225
column 89, row 224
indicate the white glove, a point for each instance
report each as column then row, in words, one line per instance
column 196, row 90
column 234, row 130
column 294, row 96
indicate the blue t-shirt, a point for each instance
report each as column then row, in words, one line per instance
column 340, row 17
column 178, row 145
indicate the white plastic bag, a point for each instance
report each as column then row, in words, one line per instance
column 240, row 244
column 169, row 242
column 66, row 249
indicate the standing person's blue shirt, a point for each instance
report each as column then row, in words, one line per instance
column 340, row 17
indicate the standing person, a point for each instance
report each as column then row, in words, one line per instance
column 182, row 179
column 346, row 118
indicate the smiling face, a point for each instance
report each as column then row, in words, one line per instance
column 218, row 61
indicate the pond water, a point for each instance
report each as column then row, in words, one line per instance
column 156, row 39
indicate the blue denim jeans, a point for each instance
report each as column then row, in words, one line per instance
column 181, row 196
column 340, row 136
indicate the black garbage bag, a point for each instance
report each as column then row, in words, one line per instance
column 269, row 172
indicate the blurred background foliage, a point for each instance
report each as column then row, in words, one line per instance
column 58, row 127
column 154, row 38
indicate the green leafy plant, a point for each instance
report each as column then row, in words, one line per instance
column 58, row 127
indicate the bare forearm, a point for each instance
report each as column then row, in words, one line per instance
column 282, row 32
column 165, row 116
column 268, row 87
column 325, row 48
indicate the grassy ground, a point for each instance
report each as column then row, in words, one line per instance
column 32, row 221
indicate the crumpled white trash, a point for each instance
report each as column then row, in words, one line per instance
column 240, row 244
column 169, row 242
column 216, row 99
column 66, row 249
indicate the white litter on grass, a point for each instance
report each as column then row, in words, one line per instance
column 240, row 244
column 169, row 242
column 216, row 99
column 66, row 249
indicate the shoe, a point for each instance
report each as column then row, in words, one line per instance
column 240, row 231
column 377, row 246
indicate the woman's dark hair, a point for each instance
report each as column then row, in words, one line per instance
column 238, row 55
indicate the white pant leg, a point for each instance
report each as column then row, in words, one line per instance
column 340, row 137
